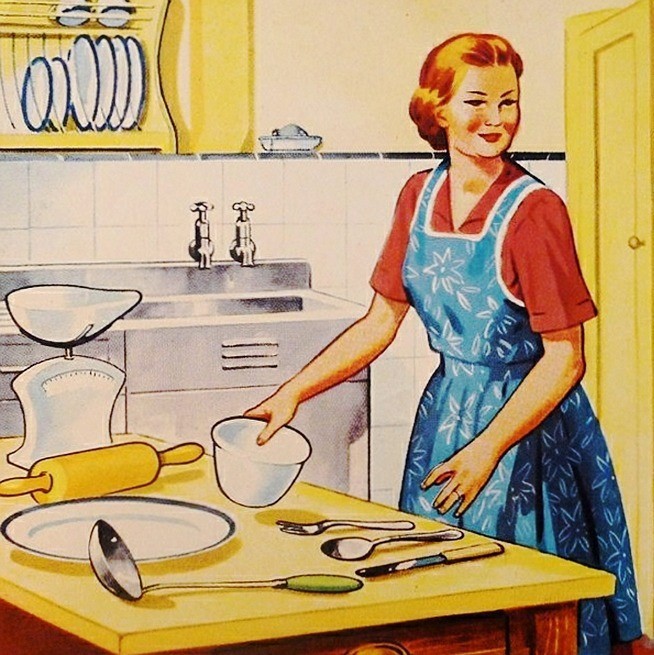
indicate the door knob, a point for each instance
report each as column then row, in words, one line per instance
column 634, row 242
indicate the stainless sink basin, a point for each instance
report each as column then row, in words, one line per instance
column 199, row 306
column 182, row 293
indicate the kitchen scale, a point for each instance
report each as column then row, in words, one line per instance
column 67, row 401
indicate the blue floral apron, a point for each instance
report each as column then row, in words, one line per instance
column 556, row 489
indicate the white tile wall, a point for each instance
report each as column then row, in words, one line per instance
column 183, row 182
column 125, row 193
column 61, row 244
column 334, row 212
column 14, row 246
column 61, row 194
column 260, row 182
column 14, row 195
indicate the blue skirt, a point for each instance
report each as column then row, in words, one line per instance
column 555, row 490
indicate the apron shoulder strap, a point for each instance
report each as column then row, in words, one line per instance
column 512, row 197
column 425, row 205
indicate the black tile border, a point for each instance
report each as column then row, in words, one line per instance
column 207, row 156
column 351, row 155
column 539, row 156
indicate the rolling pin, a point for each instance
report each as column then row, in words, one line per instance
column 96, row 472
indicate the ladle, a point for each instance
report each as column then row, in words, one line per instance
column 354, row 548
column 115, row 567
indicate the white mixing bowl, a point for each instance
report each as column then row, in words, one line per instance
column 253, row 475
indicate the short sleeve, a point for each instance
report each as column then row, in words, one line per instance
column 540, row 264
column 386, row 277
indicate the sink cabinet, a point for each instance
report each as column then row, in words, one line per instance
column 181, row 381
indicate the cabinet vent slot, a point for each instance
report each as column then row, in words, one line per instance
column 249, row 353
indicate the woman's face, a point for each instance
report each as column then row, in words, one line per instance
column 482, row 116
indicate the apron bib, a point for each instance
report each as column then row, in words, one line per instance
column 555, row 490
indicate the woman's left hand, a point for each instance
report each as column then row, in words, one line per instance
column 464, row 476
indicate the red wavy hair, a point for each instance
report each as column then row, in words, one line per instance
column 441, row 72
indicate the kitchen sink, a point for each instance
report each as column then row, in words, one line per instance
column 206, row 344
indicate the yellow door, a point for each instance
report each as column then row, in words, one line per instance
column 608, row 118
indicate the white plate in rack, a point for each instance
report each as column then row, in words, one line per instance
column 114, row 13
column 153, row 528
column 104, row 48
column 73, row 13
column 84, row 70
column 36, row 94
column 121, row 100
column 60, row 93
column 138, row 81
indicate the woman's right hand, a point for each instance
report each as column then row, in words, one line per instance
column 278, row 409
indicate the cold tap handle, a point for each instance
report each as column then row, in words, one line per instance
column 242, row 205
column 243, row 248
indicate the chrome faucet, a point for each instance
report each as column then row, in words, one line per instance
column 242, row 249
column 201, row 248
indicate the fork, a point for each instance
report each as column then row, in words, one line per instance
column 291, row 527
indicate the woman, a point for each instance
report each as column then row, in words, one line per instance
column 505, row 441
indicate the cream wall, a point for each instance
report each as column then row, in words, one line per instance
column 345, row 69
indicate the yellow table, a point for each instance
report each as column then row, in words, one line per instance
column 522, row 601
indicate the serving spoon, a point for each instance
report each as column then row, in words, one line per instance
column 355, row 548
column 116, row 569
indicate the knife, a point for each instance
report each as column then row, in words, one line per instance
column 444, row 557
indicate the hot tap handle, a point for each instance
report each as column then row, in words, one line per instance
column 201, row 207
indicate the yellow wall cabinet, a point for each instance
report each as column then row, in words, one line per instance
column 609, row 100
column 166, row 76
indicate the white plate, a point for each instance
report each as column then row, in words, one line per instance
column 74, row 13
column 60, row 92
column 36, row 94
column 114, row 13
column 121, row 101
column 137, row 76
column 84, row 81
column 107, row 76
column 153, row 528
column 290, row 143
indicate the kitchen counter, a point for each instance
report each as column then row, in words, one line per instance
column 521, row 600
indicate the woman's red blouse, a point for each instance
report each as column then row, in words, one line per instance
column 539, row 260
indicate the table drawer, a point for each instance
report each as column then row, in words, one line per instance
column 482, row 634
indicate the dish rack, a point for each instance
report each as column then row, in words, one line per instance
column 82, row 74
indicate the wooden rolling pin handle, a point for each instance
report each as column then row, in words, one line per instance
column 183, row 454
column 472, row 552
column 20, row 486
